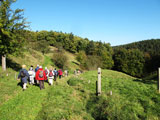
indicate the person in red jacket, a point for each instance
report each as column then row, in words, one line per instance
column 41, row 76
column 60, row 73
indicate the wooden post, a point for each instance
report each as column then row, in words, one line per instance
column 110, row 93
column 99, row 82
column 4, row 62
column 159, row 80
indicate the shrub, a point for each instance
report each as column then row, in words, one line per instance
column 60, row 59
column 93, row 62
column 74, row 81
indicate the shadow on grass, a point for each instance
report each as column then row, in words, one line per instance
column 147, row 81
column 11, row 64
column 75, row 62
column 20, row 84
column 95, row 105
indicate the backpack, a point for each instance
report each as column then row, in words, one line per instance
column 55, row 72
column 46, row 72
column 36, row 69
column 22, row 74
column 41, row 74
column 50, row 73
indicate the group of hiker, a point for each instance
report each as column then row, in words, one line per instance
column 39, row 76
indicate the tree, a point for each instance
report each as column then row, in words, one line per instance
column 43, row 46
column 129, row 61
column 81, row 57
column 90, row 49
column 11, row 22
column 60, row 59
column 107, row 61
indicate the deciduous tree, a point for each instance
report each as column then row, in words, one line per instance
column 11, row 22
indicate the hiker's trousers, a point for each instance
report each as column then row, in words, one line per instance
column 50, row 80
column 24, row 85
column 41, row 84
column 31, row 79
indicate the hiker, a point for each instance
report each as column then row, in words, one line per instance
column 51, row 76
column 60, row 73
column 31, row 68
column 41, row 76
column 66, row 73
column 46, row 71
column 23, row 74
column 78, row 72
column 75, row 72
column 55, row 74
column 31, row 75
column 36, row 69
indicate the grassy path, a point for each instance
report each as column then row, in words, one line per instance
column 25, row 105
column 47, row 62
column 54, row 102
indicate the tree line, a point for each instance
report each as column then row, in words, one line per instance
column 90, row 54
column 134, row 59
column 147, row 51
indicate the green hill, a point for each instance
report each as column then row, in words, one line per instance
column 33, row 57
column 73, row 98
column 147, row 46
column 145, row 52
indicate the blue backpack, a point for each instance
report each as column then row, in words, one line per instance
column 36, row 69
column 55, row 72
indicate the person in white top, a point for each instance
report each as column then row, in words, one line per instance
column 66, row 73
column 31, row 75
column 50, row 76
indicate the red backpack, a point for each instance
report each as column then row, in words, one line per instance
column 50, row 73
column 41, row 74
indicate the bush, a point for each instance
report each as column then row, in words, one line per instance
column 60, row 60
column 93, row 62
column 74, row 81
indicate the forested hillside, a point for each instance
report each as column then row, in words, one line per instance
column 90, row 54
column 147, row 46
column 147, row 53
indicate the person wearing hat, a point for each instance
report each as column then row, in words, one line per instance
column 41, row 76
column 23, row 74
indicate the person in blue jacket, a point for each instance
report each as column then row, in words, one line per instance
column 23, row 74
column 36, row 69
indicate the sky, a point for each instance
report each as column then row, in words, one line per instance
column 111, row 21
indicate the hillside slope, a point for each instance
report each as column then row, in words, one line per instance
column 73, row 98
column 33, row 57
column 147, row 46
column 131, row 99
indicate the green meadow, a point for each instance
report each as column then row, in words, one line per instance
column 74, row 98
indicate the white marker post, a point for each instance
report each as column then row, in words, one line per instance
column 99, row 82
